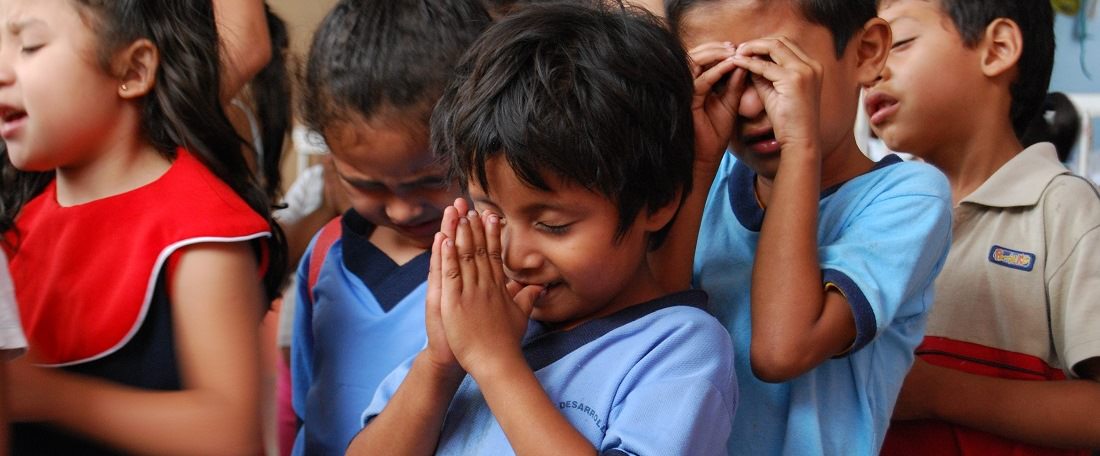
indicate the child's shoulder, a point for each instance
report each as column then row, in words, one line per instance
column 893, row 177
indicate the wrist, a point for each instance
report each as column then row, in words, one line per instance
column 441, row 373
column 500, row 363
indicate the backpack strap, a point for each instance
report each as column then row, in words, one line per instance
column 325, row 238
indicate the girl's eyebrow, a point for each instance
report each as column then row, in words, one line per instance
column 19, row 25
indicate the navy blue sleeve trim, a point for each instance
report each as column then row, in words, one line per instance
column 543, row 346
column 866, row 324
column 742, row 195
column 614, row 452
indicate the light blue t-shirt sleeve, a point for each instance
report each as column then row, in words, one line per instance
column 887, row 255
column 386, row 390
column 680, row 399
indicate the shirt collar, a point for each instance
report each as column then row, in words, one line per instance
column 1021, row 181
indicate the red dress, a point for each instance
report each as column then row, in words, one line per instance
column 92, row 280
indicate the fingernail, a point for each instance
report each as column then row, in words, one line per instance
column 449, row 243
column 493, row 219
column 463, row 221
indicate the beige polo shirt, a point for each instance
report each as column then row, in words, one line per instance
column 1023, row 273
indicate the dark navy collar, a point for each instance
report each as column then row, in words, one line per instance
column 742, row 192
column 542, row 346
column 387, row 281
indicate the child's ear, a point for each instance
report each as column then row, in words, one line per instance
column 872, row 48
column 1001, row 47
column 137, row 66
column 655, row 219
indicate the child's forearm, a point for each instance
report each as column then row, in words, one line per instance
column 1049, row 413
column 193, row 421
column 532, row 423
column 413, row 419
column 794, row 324
column 673, row 262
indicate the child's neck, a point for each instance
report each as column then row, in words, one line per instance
column 123, row 166
column 399, row 248
column 970, row 162
column 840, row 165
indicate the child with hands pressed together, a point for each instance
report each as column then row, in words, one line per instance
column 140, row 246
column 547, row 331
column 1010, row 363
column 375, row 72
column 818, row 261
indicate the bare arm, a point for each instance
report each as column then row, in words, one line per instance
column 1049, row 413
column 217, row 304
column 797, row 323
column 246, row 46
column 713, row 116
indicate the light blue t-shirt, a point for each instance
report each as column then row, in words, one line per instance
column 882, row 239
column 366, row 318
column 653, row 379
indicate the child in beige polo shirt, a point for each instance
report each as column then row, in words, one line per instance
column 1011, row 358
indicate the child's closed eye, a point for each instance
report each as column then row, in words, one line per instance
column 553, row 229
column 30, row 49
column 900, row 44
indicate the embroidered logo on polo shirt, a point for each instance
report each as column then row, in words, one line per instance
column 1012, row 258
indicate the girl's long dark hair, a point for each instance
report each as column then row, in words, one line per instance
column 181, row 110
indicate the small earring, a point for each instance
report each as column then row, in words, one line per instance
column 124, row 87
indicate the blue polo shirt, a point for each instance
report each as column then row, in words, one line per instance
column 882, row 239
column 366, row 317
column 653, row 379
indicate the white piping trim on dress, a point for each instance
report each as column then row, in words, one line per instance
column 151, row 288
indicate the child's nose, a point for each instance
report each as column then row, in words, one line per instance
column 517, row 254
column 751, row 106
column 402, row 210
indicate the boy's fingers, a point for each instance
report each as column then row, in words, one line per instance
column 462, row 205
column 481, row 248
column 450, row 222
column 494, row 247
column 525, row 298
column 467, row 254
column 706, row 81
column 451, row 273
column 435, row 274
column 731, row 95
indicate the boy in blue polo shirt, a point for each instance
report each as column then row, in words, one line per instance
column 819, row 261
column 375, row 71
column 570, row 126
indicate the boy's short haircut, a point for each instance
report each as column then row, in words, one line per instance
column 598, row 94
column 384, row 56
column 843, row 18
column 1036, row 21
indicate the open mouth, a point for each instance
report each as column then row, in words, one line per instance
column 12, row 119
column 762, row 142
column 880, row 107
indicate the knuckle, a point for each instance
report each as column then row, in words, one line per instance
column 452, row 273
column 482, row 252
column 467, row 257
column 496, row 256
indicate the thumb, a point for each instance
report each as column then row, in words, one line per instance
column 525, row 298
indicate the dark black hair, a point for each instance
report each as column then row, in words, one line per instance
column 1059, row 123
column 271, row 92
column 374, row 56
column 1036, row 21
column 598, row 94
column 843, row 18
column 181, row 110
